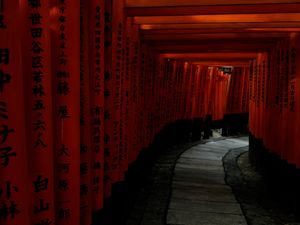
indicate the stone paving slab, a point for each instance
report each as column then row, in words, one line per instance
column 215, row 194
column 201, row 218
column 200, row 195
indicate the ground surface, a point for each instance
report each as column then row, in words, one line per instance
column 258, row 202
column 155, row 196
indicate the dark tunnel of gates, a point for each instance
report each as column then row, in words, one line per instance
column 81, row 95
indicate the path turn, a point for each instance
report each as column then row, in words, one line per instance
column 200, row 195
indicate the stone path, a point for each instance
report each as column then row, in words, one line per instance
column 200, row 195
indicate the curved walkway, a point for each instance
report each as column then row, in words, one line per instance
column 200, row 195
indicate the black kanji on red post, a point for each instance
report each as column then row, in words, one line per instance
column 84, row 189
column 5, row 78
column 40, row 142
column 1, row 6
column 5, row 154
column 36, row 32
column 39, row 125
column 38, row 76
column 63, row 167
column 63, row 185
column 41, row 184
column 35, row 4
column 63, row 112
column 37, row 62
column 62, row 74
column 64, row 213
column 2, row 24
column 38, row 90
column 44, row 222
column 3, row 110
column 8, row 189
column 63, row 88
column 4, row 133
column 64, row 151
column 39, row 105
column 84, row 168
column 4, row 56
column 36, row 18
column 37, row 47
column 41, row 207
column 9, row 211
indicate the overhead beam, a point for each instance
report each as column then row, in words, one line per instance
column 230, row 18
column 211, row 36
column 213, row 26
column 158, row 3
column 213, row 47
column 220, row 30
column 220, row 63
column 213, row 10
column 193, row 56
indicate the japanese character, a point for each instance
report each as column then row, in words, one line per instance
column 62, row 10
column 2, row 24
column 63, row 61
column 63, row 45
column 3, row 110
column 64, row 151
column 96, row 180
column 39, row 125
column 84, row 167
column 63, row 88
column 63, row 112
column 83, row 149
column 4, row 56
column 97, row 121
column 44, row 222
column 106, row 138
column 5, row 133
column 40, row 184
column 35, row 18
column 63, row 167
column 84, row 189
column 97, row 148
column 96, row 130
column 36, row 32
column 64, row 213
column 96, row 139
column 62, row 74
column 107, row 93
column 97, row 165
column 38, row 76
column 107, row 76
column 5, row 154
column 107, row 115
column 35, row 4
column 63, row 37
column 38, row 90
column 39, row 105
column 7, row 211
column 63, row 185
column 106, row 153
column 1, row 6
column 36, row 47
column 40, row 141
column 5, row 78
column 97, row 110
column 8, row 189
column 42, row 207
column 37, row 62
column 62, row 19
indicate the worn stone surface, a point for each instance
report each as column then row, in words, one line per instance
column 199, row 192
column 259, row 205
